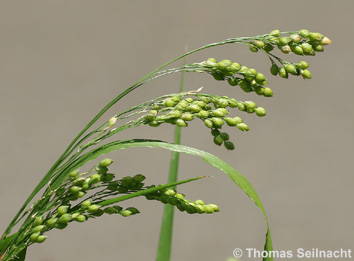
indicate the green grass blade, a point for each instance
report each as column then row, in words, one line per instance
column 166, row 231
column 211, row 159
column 164, row 248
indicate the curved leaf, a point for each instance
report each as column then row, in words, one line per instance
column 211, row 159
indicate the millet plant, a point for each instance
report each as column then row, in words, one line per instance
column 76, row 190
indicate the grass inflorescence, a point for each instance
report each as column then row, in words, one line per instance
column 71, row 196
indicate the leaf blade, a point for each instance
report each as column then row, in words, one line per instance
column 211, row 159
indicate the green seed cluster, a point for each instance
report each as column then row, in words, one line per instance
column 297, row 69
column 80, row 183
column 214, row 111
column 170, row 196
column 78, row 186
column 235, row 74
column 302, row 42
column 127, row 184
column 104, row 186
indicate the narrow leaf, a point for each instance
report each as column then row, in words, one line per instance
column 214, row 161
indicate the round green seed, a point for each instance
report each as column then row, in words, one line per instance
column 223, row 65
column 253, row 48
column 222, row 103
column 234, row 67
column 64, row 219
column 211, row 62
column 62, row 210
column 187, row 116
column 285, row 49
column 229, row 145
column 275, row 32
column 250, row 104
column 295, row 38
column 241, row 106
column 41, row 239
column 38, row 228
column 51, row 222
column 218, row 140
column 199, row 202
column 126, row 213
column 169, row 102
column 284, row 40
column 267, row 92
column 37, row 221
column 283, row 73
column 217, row 122
column 208, row 123
column 224, row 136
column 220, row 112
column 181, row 123
column 74, row 174
column 242, row 126
column 105, row 162
column 260, row 111
column 302, row 65
column 214, row 207
column 203, row 114
column 315, row 36
column 74, row 189
column 34, row 236
column 304, row 32
column 297, row 50
column 306, row 74
column 307, row 48
column 86, row 204
column 93, row 208
column 194, row 108
column 95, row 178
column 80, row 218
column 290, row 68
column 260, row 78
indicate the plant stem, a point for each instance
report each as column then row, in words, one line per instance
column 166, row 231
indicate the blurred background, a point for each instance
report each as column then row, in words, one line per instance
column 61, row 61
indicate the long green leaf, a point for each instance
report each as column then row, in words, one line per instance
column 211, row 159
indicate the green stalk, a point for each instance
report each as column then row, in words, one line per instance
column 166, row 231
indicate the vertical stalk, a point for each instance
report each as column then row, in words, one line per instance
column 166, row 231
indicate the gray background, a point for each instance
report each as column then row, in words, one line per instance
column 60, row 61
